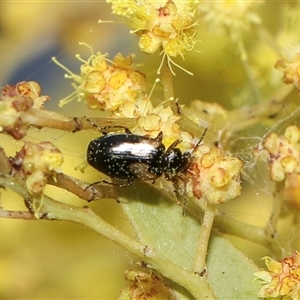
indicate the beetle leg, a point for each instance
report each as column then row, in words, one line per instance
column 159, row 137
column 126, row 129
column 142, row 171
column 102, row 129
column 184, row 200
column 127, row 183
column 173, row 145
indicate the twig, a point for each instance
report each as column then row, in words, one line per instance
column 44, row 118
column 54, row 210
column 227, row 225
column 81, row 188
column 21, row 215
column 270, row 228
column 5, row 166
column 203, row 238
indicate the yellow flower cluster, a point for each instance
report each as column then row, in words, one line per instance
column 283, row 278
column 15, row 100
column 36, row 162
column 214, row 176
column 145, row 286
column 290, row 65
column 118, row 88
column 163, row 119
column 109, row 85
column 231, row 16
column 168, row 25
column 284, row 155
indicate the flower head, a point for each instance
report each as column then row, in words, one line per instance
column 284, row 153
column 36, row 162
column 289, row 43
column 145, row 286
column 290, row 65
column 166, row 24
column 283, row 278
column 108, row 85
column 115, row 86
column 214, row 176
column 229, row 15
column 15, row 100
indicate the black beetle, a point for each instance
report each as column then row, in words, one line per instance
column 125, row 156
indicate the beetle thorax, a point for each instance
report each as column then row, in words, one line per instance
column 175, row 162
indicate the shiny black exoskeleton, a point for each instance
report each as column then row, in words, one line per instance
column 125, row 156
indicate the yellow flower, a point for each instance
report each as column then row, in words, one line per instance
column 284, row 155
column 283, row 278
column 107, row 85
column 145, row 286
column 290, row 65
column 290, row 26
column 168, row 25
column 289, row 43
column 163, row 119
column 15, row 100
column 214, row 176
column 36, row 162
column 231, row 16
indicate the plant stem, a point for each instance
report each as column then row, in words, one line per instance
column 54, row 210
column 5, row 166
column 45, row 118
column 83, row 190
column 192, row 282
column 270, row 228
column 168, row 84
column 167, row 81
column 244, row 59
column 203, row 239
column 227, row 225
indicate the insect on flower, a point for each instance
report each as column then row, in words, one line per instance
column 126, row 157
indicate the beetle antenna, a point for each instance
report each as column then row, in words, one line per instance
column 201, row 139
column 184, row 180
column 184, row 200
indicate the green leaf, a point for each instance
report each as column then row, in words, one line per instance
column 159, row 223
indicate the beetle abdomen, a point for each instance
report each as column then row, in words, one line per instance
column 126, row 156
